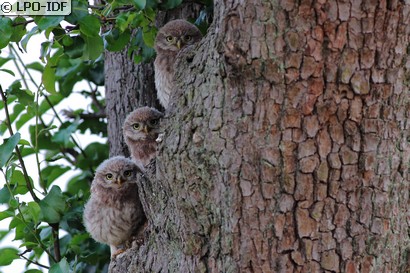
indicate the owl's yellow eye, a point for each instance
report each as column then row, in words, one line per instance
column 127, row 173
column 109, row 176
column 136, row 126
column 170, row 39
column 188, row 38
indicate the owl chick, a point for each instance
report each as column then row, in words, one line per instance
column 171, row 38
column 140, row 130
column 114, row 212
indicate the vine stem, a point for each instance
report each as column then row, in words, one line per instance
column 20, row 158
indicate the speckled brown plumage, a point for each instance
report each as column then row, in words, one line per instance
column 140, row 130
column 171, row 38
column 114, row 213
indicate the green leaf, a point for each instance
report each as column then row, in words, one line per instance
column 96, row 153
column 18, row 182
column 24, row 118
column 5, row 60
column 52, row 206
column 24, row 96
column 17, row 109
column 63, row 135
column 36, row 66
column 6, row 30
column 19, row 29
column 139, row 3
column 49, row 79
column 79, row 183
column 4, row 195
column 19, row 227
column 144, row 53
column 148, row 35
column 116, row 41
column 79, row 9
column 43, row 139
column 24, row 142
column 45, row 50
column 31, row 212
column 90, row 26
column 46, row 21
column 61, row 267
column 94, row 73
column 8, row 255
column 3, row 233
column 8, row 71
column 170, row 4
column 76, row 49
column 94, row 47
column 51, row 173
column 46, row 233
column 13, row 203
column 124, row 19
column 6, row 214
column 6, row 149
column 27, row 37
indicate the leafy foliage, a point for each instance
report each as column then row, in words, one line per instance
column 44, row 202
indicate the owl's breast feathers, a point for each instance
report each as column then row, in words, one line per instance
column 164, row 77
column 113, row 218
column 143, row 150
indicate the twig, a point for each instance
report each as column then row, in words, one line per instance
column 57, row 253
column 122, row 8
column 61, row 121
column 94, row 98
column 33, row 262
column 23, row 166
column 22, row 23
column 85, row 116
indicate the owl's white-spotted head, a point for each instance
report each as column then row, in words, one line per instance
column 116, row 172
column 175, row 35
column 142, row 124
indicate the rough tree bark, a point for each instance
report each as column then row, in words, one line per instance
column 286, row 148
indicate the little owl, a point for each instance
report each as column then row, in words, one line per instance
column 114, row 212
column 140, row 130
column 171, row 38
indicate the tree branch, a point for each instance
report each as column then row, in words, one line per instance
column 94, row 98
column 23, row 166
column 85, row 116
column 32, row 262
column 57, row 253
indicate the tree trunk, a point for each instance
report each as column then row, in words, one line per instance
column 286, row 149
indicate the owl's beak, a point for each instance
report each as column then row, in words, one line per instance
column 179, row 44
column 145, row 129
column 119, row 182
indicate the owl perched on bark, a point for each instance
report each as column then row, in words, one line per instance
column 171, row 38
column 114, row 212
column 140, row 130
